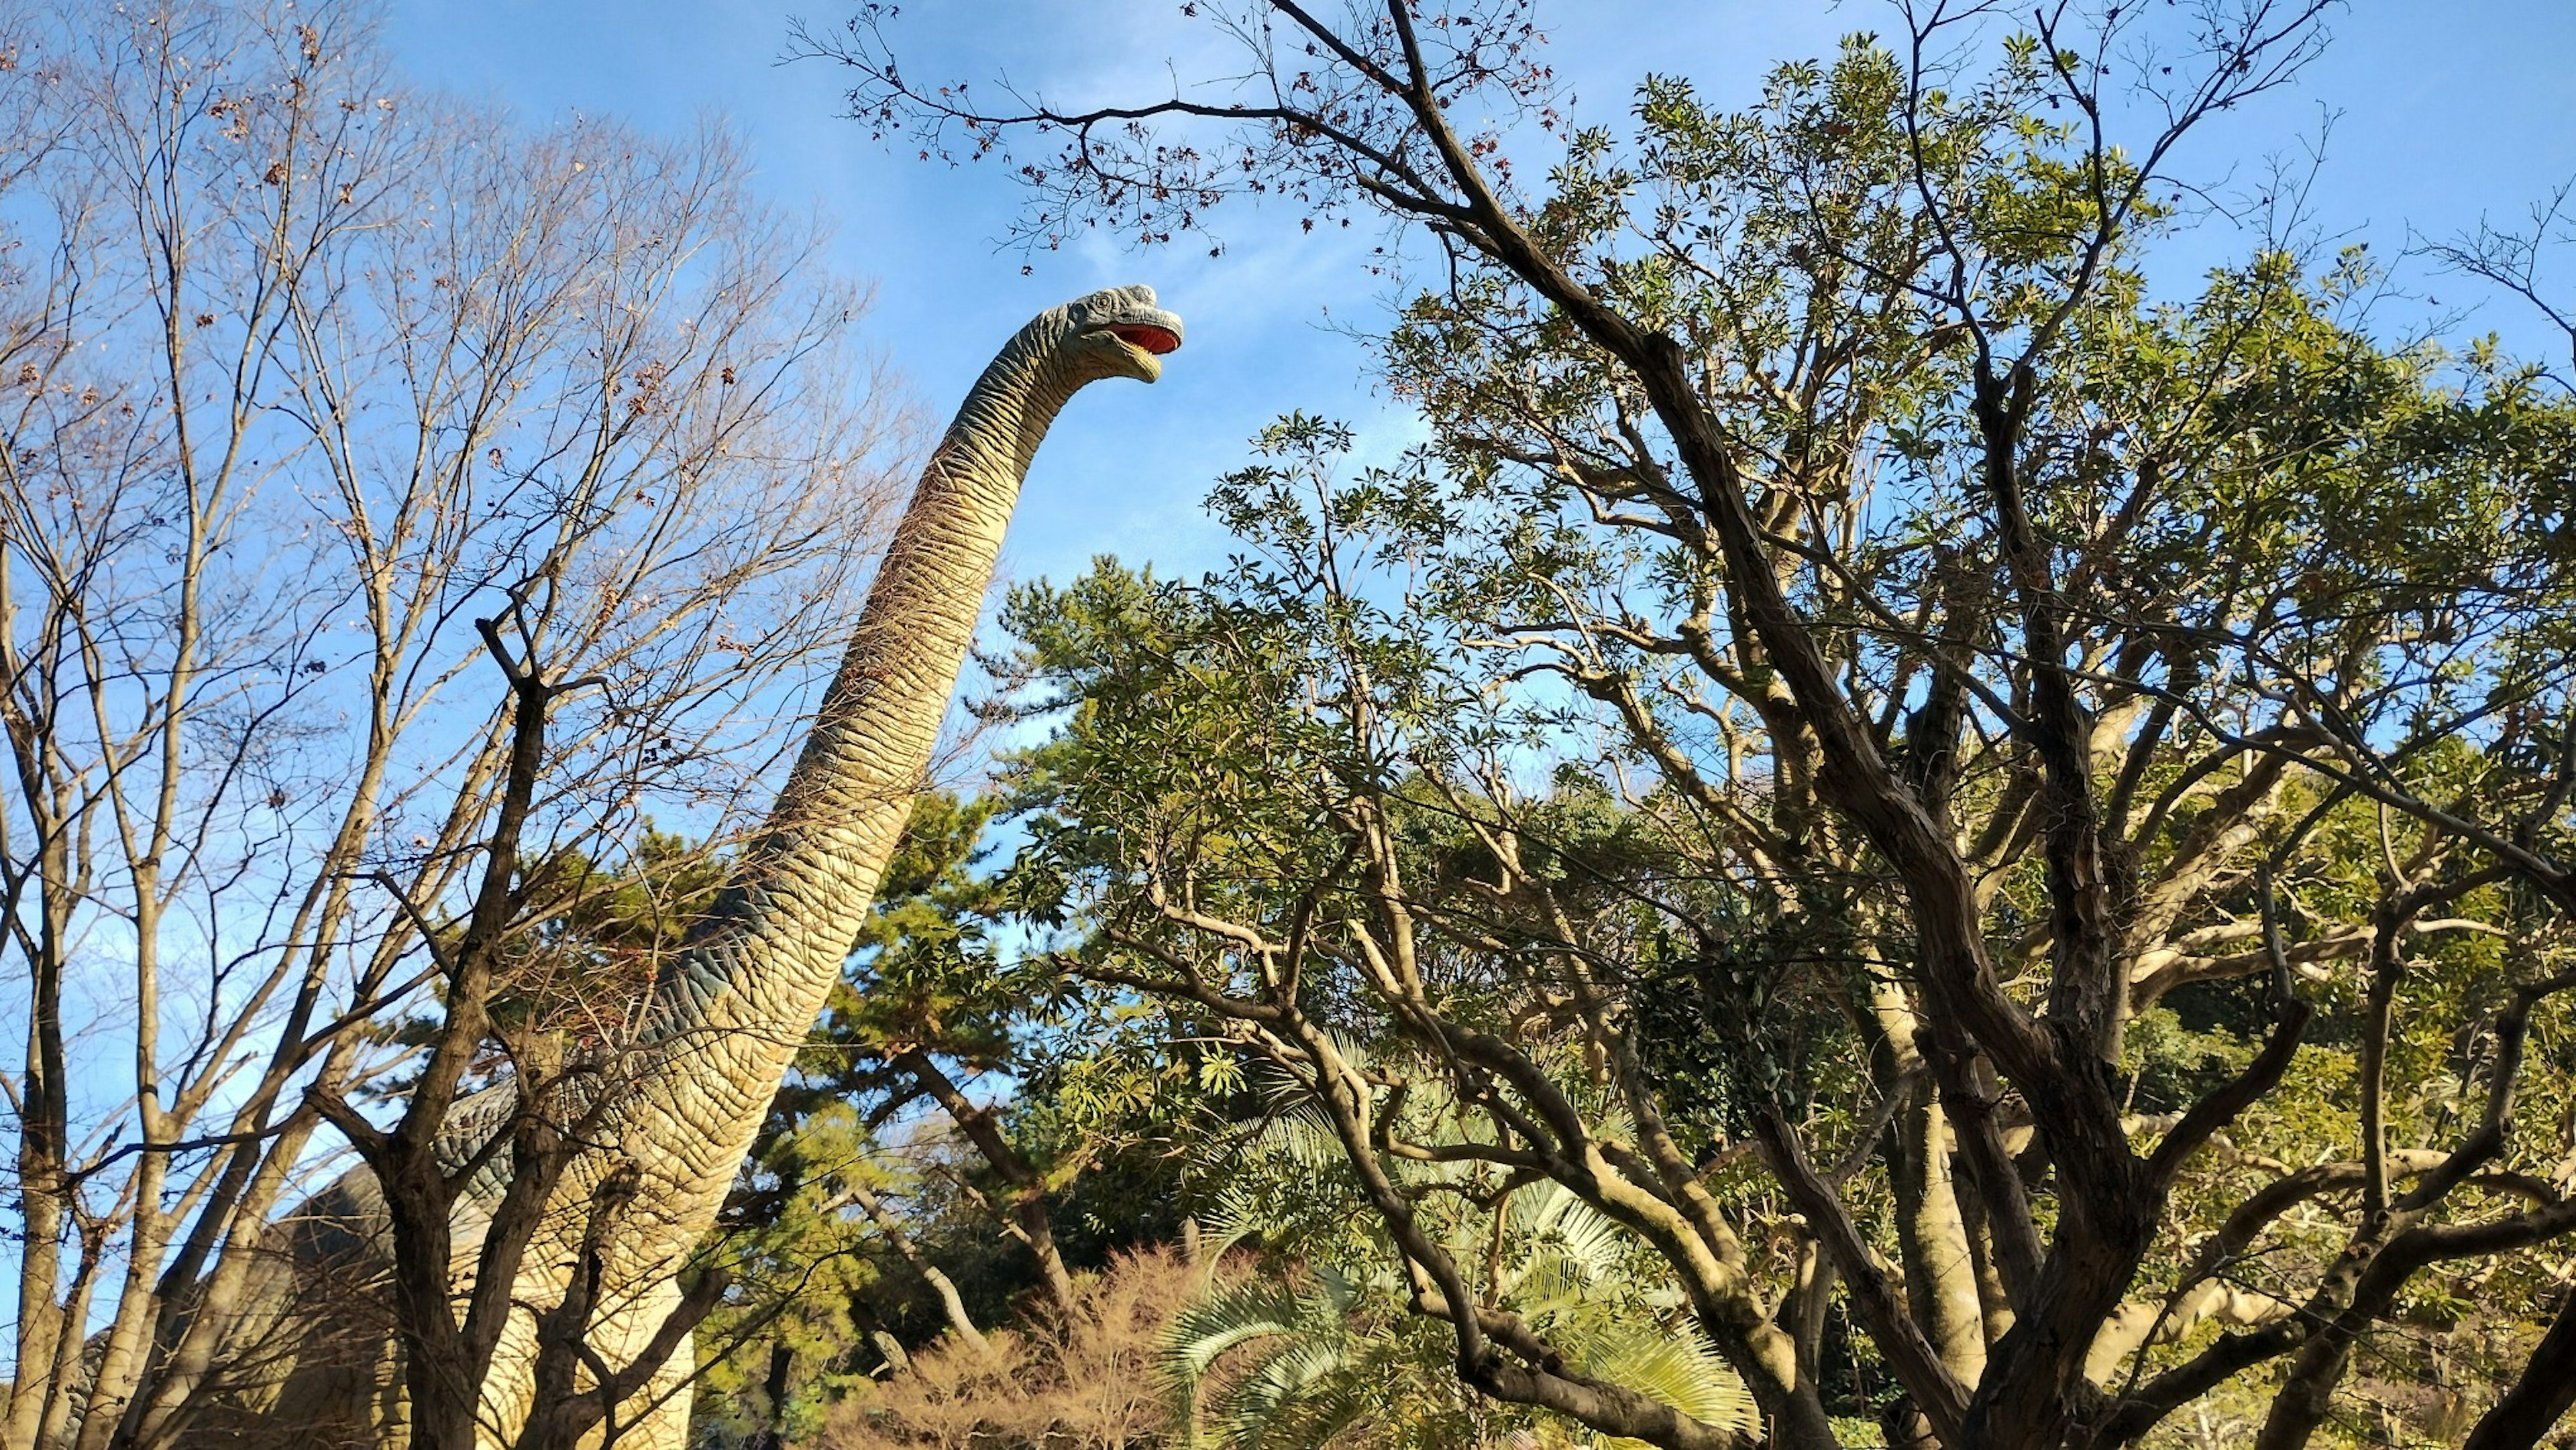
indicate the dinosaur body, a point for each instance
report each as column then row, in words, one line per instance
column 743, row 992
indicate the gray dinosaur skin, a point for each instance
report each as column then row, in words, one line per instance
column 739, row 998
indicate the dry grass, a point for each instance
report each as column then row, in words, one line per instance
column 1087, row 1384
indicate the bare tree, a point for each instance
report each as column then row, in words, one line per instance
column 306, row 371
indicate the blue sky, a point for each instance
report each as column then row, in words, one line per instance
column 2444, row 110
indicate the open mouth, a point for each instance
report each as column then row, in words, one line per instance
column 1146, row 337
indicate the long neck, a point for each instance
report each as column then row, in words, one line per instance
column 742, row 996
column 814, row 864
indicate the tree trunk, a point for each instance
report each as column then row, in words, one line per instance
column 2541, row 1397
column 1027, row 1188
column 940, row 1283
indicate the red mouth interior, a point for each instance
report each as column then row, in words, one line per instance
column 1156, row 340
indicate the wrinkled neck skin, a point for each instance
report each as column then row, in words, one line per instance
column 1006, row 415
column 873, row 737
column 740, row 998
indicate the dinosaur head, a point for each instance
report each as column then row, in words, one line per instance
column 1116, row 332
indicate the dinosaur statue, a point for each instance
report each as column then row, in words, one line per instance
column 745, row 991
column 742, row 993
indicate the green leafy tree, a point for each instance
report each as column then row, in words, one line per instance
column 1314, row 1346
column 2013, row 835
